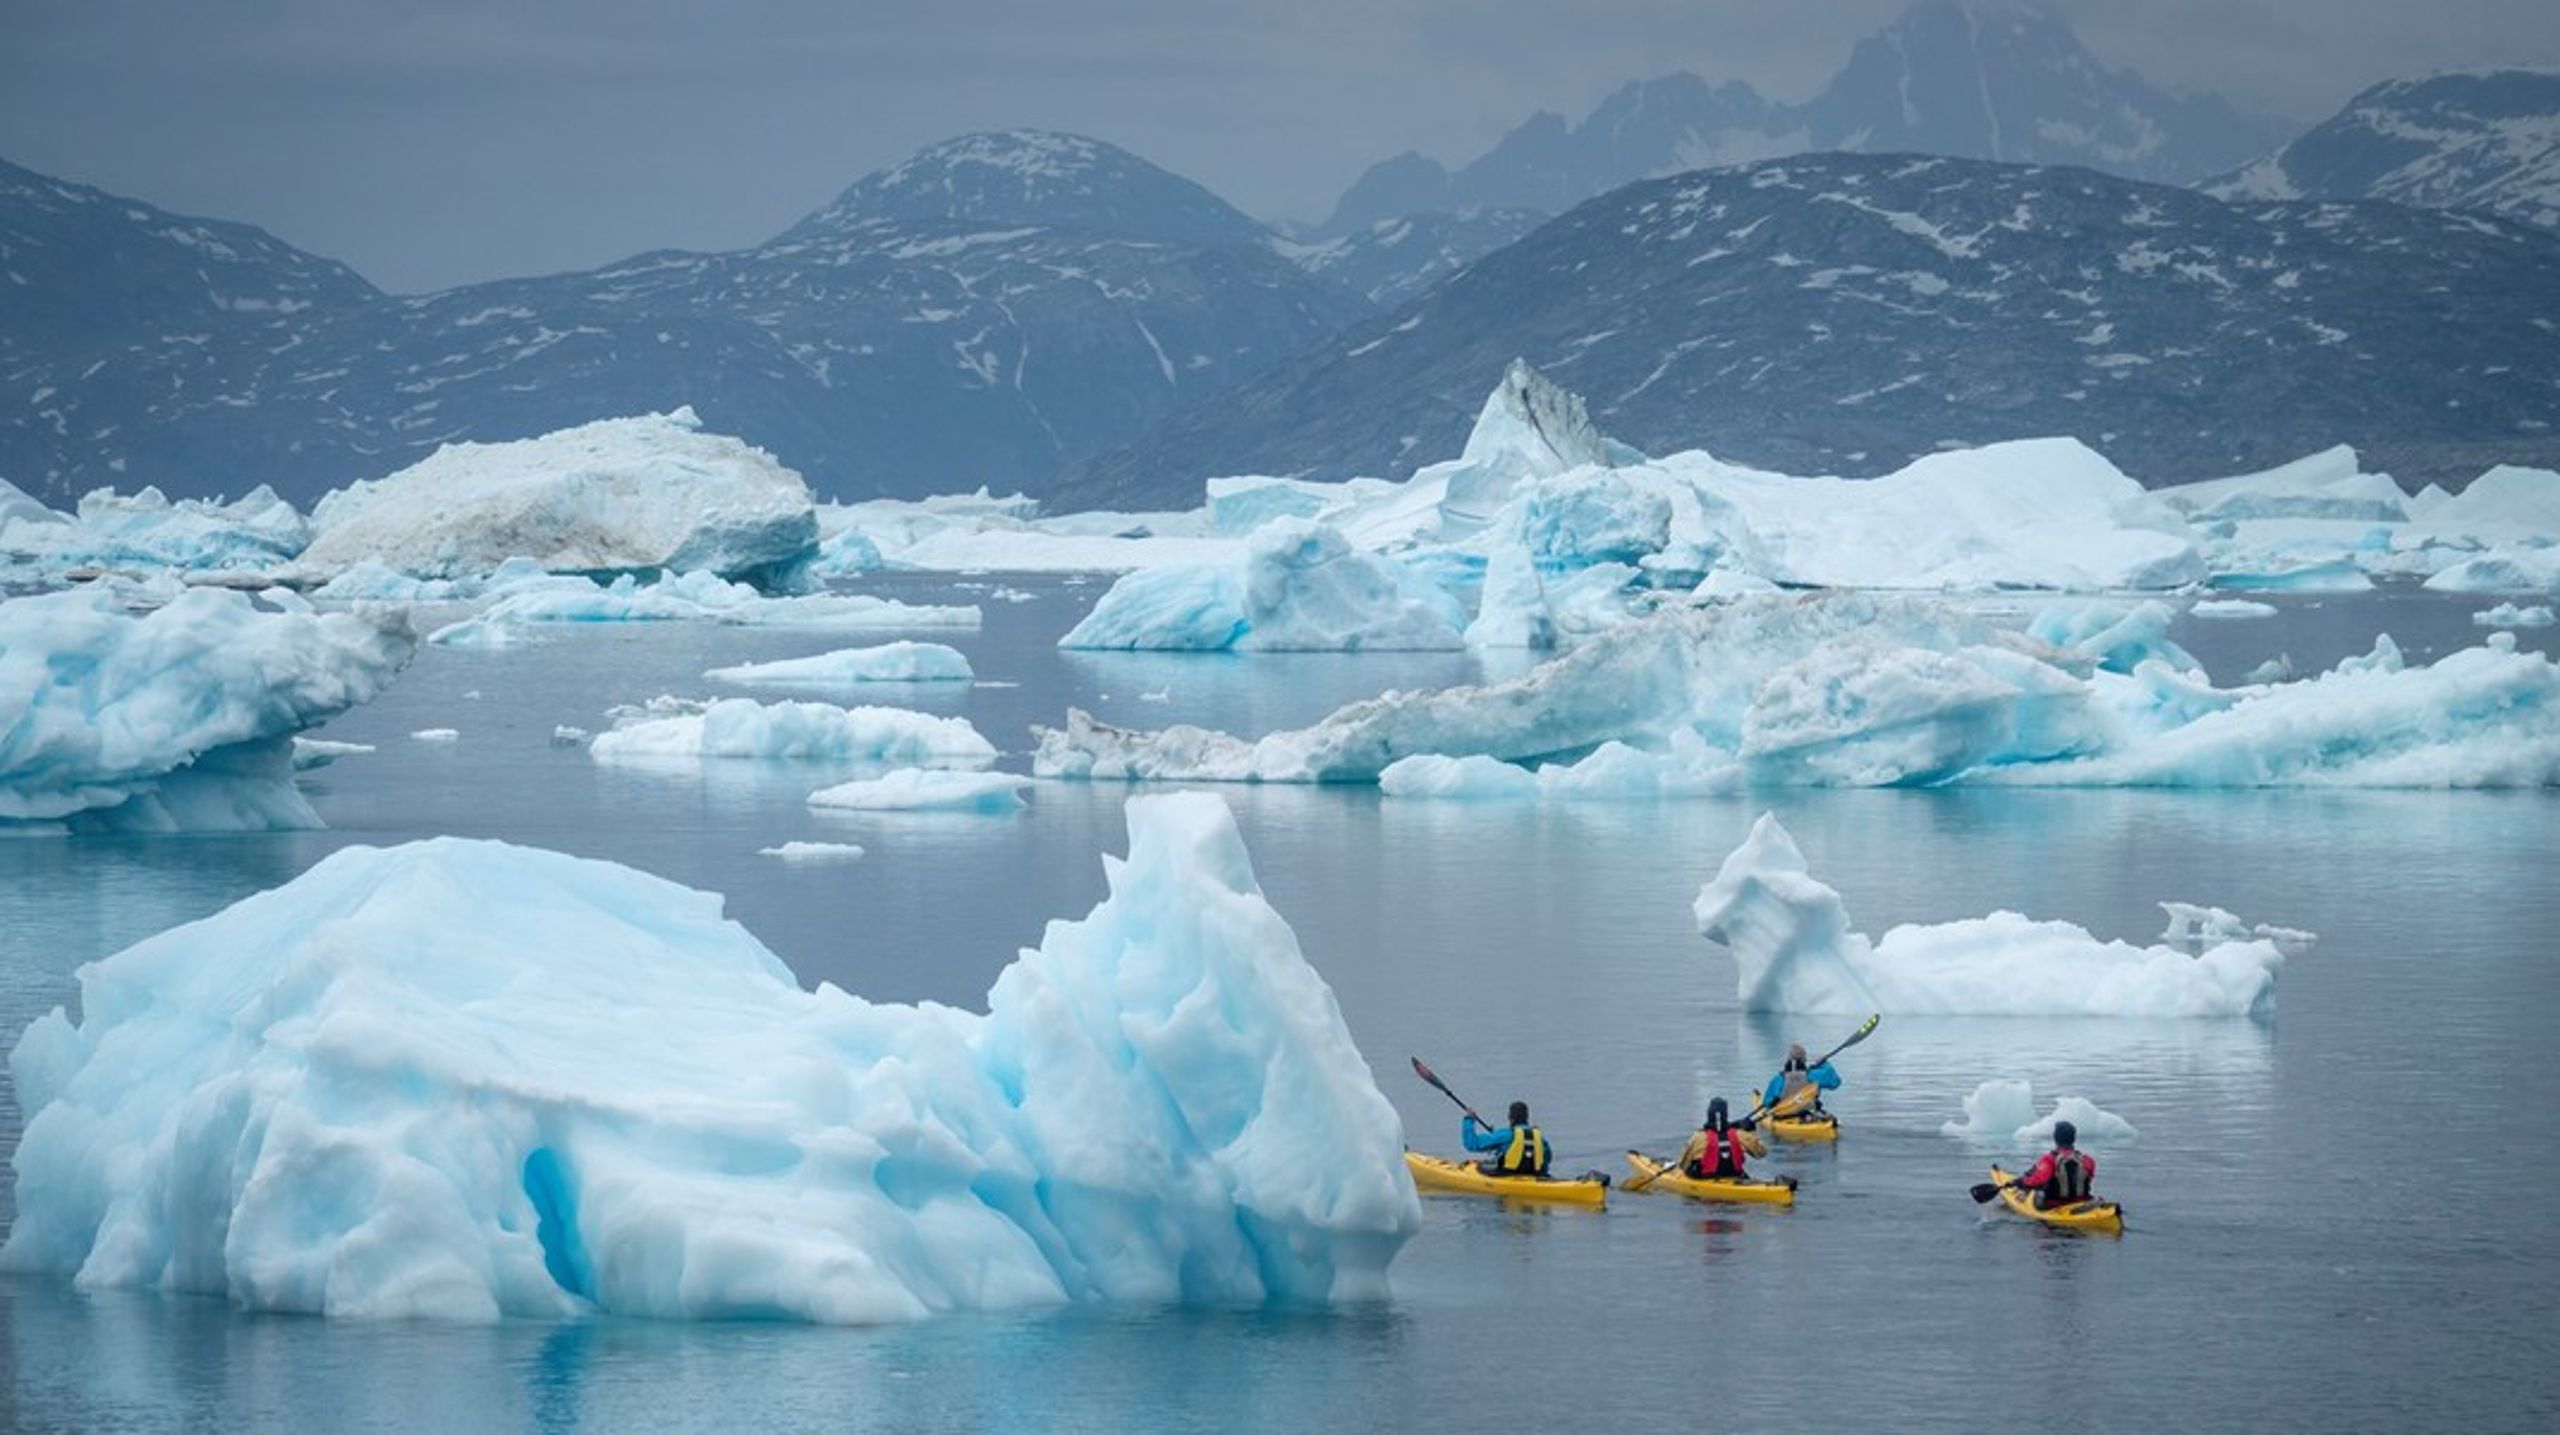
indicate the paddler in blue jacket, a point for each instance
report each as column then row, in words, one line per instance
column 1795, row 1076
column 1520, row 1149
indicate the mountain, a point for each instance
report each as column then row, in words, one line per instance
column 1981, row 80
column 2479, row 139
column 1395, row 259
column 988, row 311
column 1847, row 313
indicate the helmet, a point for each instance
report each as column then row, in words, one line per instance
column 1519, row 1113
column 2065, row 1134
column 1716, row 1113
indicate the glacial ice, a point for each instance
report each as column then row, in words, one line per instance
column 1794, row 951
column 813, row 851
column 146, row 532
column 911, row 789
column 1300, row 587
column 178, row 718
column 2516, row 568
column 1853, row 689
column 647, row 493
column 690, row 597
column 2002, row 1111
column 468, row 1080
column 671, row 729
column 2231, row 608
column 899, row 662
column 2508, row 615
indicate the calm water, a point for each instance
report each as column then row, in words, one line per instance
column 2309, row 1249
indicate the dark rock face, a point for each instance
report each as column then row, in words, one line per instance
column 2485, row 139
column 1847, row 313
column 989, row 311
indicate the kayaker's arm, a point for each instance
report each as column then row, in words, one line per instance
column 1478, row 1137
column 1824, row 1076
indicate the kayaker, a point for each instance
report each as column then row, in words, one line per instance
column 1720, row 1146
column 1795, row 1076
column 1520, row 1149
column 2064, row 1175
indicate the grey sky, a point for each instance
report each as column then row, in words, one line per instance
column 430, row 146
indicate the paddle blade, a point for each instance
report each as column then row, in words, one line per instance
column 1983, row 1191
column 1427, row 1074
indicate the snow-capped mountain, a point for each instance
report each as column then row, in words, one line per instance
column 1847, row 313
column 991, row 309
column 1393, row 260
column 1984, row 79
column 2474, row 139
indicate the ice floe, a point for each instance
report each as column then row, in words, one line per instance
column 468, row 1080
column 899, row 662
column 2002, row 1111
column 1794, row 950
column 672, row 729
column 813, row 851
column 178, row 717
column 2508, row 615
column 915, row 789
column 692, row 597
column 647, row 493
column 1299, row 586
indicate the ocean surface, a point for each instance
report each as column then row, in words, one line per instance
column 2333, row 1212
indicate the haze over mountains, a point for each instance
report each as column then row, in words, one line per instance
column 1013, row 308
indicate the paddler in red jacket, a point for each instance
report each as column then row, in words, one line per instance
column 1718, row 1148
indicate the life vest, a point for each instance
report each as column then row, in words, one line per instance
column 1791, row 1078
column 2070, row 1179
column 1527, row 1153
column 1723, row 1154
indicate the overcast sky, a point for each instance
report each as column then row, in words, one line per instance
column 436, row 145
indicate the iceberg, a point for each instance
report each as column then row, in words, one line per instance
column 1300, row 587
column 813, row 851
column 467, row 1080
column 914, row 789
column 690, row 597
column 2508, row 615
column 1795, row 951
column 18, row 508
column 900, row 662
column 1852, row 689
column 670, row 729
column 2517, row 568
column 2231, row 608
column 647, row 493
column 178, row 718
column 2002, row 1111
column 145, row 531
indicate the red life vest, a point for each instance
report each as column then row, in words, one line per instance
column 1723, row 1154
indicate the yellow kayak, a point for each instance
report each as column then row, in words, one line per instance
column 2104, row 1217
column 1781, row 1192
column 1825, row 1127
column 1463, row 1178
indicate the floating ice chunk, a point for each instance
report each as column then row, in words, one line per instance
column 2326, row 485
column 2192, row 928
column 1301, row 587
column 1795, row 951
column 567, row 736
column 2336, row 575
column 1475, row 778
column 900, row 662
column 2119, row 636
column 2231, row 608
column 2277, row 669
column 16, row 507
column 2513, row 569
column 1613, row 772
column 653, row 492
column 813, row 851
column 2508, row 615
column 175, row 718
column 690, row 597
column 468, row 1080
column 310, row 753
column 2002, row 1111
column 913, row 789
column 437, row 734
column 2506, row 504
column 793, row 731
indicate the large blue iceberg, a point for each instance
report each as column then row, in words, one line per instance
column 468, row 1080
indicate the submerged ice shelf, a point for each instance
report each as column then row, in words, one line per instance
column 465, row 1079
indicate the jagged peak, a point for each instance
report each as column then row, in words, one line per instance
column 1533, row 427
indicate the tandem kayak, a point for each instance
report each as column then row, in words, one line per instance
column 2103, row 1217
column 1781, row 1192
column 1463, row 1178
column 1825, row 1127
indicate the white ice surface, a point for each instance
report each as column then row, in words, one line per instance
column 2002, row 1111
column 693, row 597
column 2508, row 615
column 813, row 851
column 913, row 789
column 468, row 1080
column 1795, row 951
column 653, row 492
column 670, row 730
column 1300, row 587
column 899, row 662
column 177, row 717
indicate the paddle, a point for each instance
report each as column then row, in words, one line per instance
column 1983, row 1191
column 1427, row 1074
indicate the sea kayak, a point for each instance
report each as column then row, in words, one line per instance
column 2105, row 1217
column 1780, row 1192
column 1463, row 1178
column 1825, row 1127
